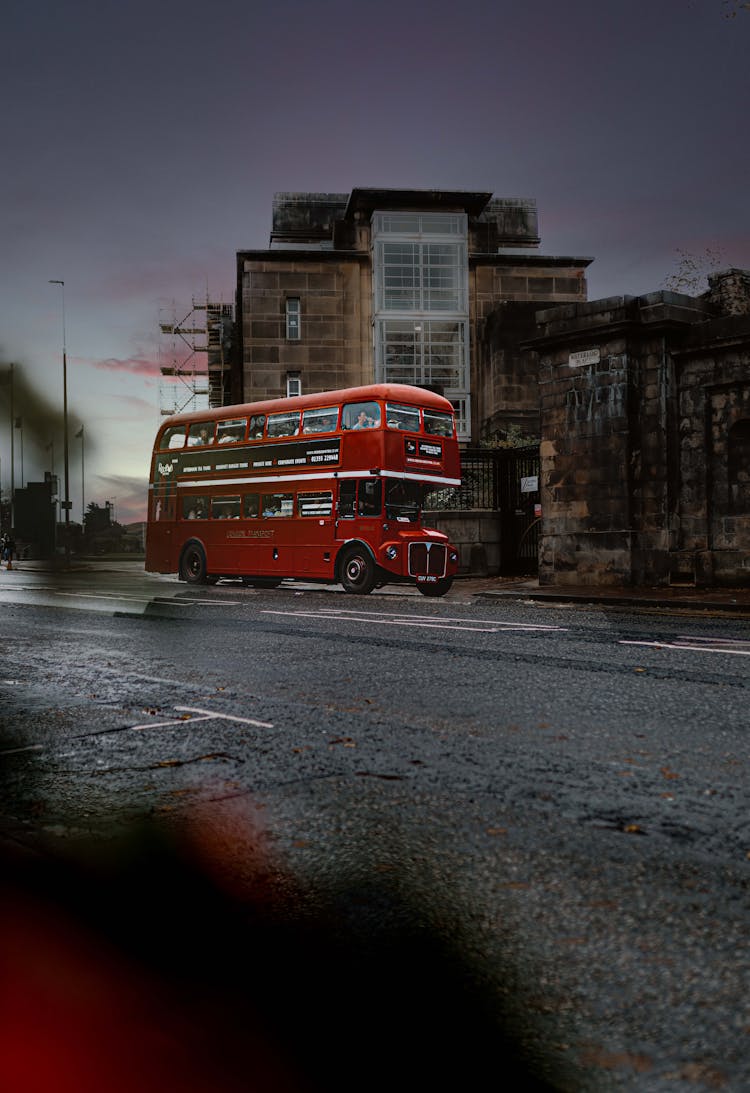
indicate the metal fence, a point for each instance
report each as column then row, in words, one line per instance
column 488, row 479
column 503, row 481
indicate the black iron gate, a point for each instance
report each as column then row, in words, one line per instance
column 520, row 511
column 506, row 481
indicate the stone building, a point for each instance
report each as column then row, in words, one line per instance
column 645, row 425
column 407, row 286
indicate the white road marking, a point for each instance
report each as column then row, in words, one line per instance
column 447, row 618
column 14, row 751
column 161, row 724
column 416, row 621
column 226, row 717
column 689, row 648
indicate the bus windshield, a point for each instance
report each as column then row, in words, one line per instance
column 403, row 500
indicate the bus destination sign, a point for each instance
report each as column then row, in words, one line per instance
column 259, row 457
column 423, row 451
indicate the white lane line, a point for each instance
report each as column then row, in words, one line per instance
column 161, row 724
column 226, row 717
column 688, row 648
column 206, row 715
column 429, row 618
column 383, row 622
column 382, row 618
column 15, row 751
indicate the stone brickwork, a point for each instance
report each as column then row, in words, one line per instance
column 476, row 533
column 645, row 424
column 335, row 347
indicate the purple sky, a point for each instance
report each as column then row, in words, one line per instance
column 142, row 144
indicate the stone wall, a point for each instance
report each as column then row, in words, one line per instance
column 335, row 349
column 476, row 535
column 645, row 425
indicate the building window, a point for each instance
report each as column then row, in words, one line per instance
column 293, row 319
column 421, row 311
column 427, row 353
column 293, row 384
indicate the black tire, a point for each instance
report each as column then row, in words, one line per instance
column 435, row 588
column 193, row 564
column 358, row 570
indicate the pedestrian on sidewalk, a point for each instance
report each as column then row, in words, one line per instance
column 9, row 549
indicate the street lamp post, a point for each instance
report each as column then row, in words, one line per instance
column 66, row 502
column 80, row 436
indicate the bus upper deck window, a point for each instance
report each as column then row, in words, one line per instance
column 201, row 433
column 283, row 424
column 230, row 432
column 361, row 415
column 405, row 418
column 172, row 438
column 437, row 424
column 323, row 420
column 257, row 423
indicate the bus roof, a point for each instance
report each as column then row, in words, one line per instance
column 398, row 392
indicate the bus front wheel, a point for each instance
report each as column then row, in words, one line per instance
column 358, row 571
column 193, row 564
column 435, row 588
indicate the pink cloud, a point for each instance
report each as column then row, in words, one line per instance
column 138, row 365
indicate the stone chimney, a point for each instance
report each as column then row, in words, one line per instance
column 729, row 291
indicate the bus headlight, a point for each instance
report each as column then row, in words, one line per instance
column 391, row 553
column 454, row 556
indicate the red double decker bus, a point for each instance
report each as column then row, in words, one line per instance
column 325, row 487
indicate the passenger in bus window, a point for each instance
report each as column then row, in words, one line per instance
column 199, row 436
column 250, row 505
column 257, row 421
column 363, row 421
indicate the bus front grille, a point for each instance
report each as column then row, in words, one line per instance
column 427, row 560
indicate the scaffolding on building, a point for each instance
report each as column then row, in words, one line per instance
column 195, row 363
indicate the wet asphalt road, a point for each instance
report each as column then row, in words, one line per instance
column 571, row 783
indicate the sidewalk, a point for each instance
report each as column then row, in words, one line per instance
column 685, row 597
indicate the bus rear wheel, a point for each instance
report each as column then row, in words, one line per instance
column 358, row 571
column 435, row 588
column 193, row 564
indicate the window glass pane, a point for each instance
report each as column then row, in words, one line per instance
column 402, row 417
column 347, row 496
column 172, row 438
column 370, row 494
column 315, row 504
column 278, row 504
column 225, row 508
column 293, row 319
column 251, row 505
column 283, row 424
column 201, row 433
column 320, row 421
column 361, row 415
column 403, row 499
column 437, row 424
column 194, row 508
column 229, row 432
column 443, row 225
column 255, row 432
